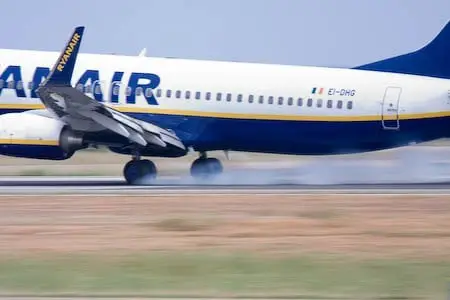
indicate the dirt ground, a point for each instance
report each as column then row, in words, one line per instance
column 360, row 226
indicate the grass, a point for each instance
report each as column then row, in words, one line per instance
column 180, row 224
column 212, row 274
column 33, row 172
column 322, row 214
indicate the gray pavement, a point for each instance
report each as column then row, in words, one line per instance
column 117, row 186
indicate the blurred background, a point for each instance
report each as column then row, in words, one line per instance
column 261, row 242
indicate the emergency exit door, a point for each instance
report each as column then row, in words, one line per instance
column 390, row 108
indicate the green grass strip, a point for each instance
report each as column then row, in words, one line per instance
column 223, row 274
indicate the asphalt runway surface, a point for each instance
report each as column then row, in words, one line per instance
column 117, row 186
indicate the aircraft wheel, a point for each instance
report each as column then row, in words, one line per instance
column 206, row 168
column 140, row 171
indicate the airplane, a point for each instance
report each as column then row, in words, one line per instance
column 166, row 107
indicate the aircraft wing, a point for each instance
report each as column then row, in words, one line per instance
column 83, row 113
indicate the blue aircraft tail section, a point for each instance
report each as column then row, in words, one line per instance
column 432, row 60
column 62, row 71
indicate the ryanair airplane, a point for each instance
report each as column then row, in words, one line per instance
column 163, row 107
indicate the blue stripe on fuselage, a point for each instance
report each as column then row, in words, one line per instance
column 297, row 137
column 294, row 137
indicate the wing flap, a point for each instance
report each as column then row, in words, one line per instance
column 137, row 138
column 153, row 139
column 127, row 121
column 106, row 122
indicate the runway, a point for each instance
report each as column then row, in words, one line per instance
column 171, row 186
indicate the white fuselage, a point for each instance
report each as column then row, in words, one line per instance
column 259, row 105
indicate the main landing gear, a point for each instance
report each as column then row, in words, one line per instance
column 143, row 171
column 140, row 171
column 206, row 168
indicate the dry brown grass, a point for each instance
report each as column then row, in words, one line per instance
column 363, row 226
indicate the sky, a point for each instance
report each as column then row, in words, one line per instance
column 340, row 33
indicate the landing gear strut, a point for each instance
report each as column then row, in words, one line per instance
column 206, row 168
column 138, row 171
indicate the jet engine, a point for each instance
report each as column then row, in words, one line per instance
column 34, row 136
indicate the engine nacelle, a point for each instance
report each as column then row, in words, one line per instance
column 32, row 136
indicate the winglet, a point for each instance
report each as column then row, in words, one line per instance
column 61, row 73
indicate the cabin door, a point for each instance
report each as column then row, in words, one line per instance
column 389, row 115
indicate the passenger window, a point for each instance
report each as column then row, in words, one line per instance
column 88, row 89
column 115, row 90
column 310, row 102
column 79, row 87
column 319, row 103
column 148, row 92
column 19, row 85
column 198, row 95
column 228, row 97
column 280, row 100
column 300, row 102
column 349, row 104
column 219, row 97
column 2, row 82
column 261, row 99
column 251, row 99
column 339, row 104
column 30, row 85
column 239, row 98
column 208, row 96
column 168, row 93
column 290, row 101
column 127, row 92
column 188, row 95
column 330, row 103
column 158, row 93
column 10, row 84
column 270, row 101
column 178, row 94
column 98, row 90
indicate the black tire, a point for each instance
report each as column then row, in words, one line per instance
column 206, row 168
column 215, row 166
column 198, row 168
column 140, row 172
